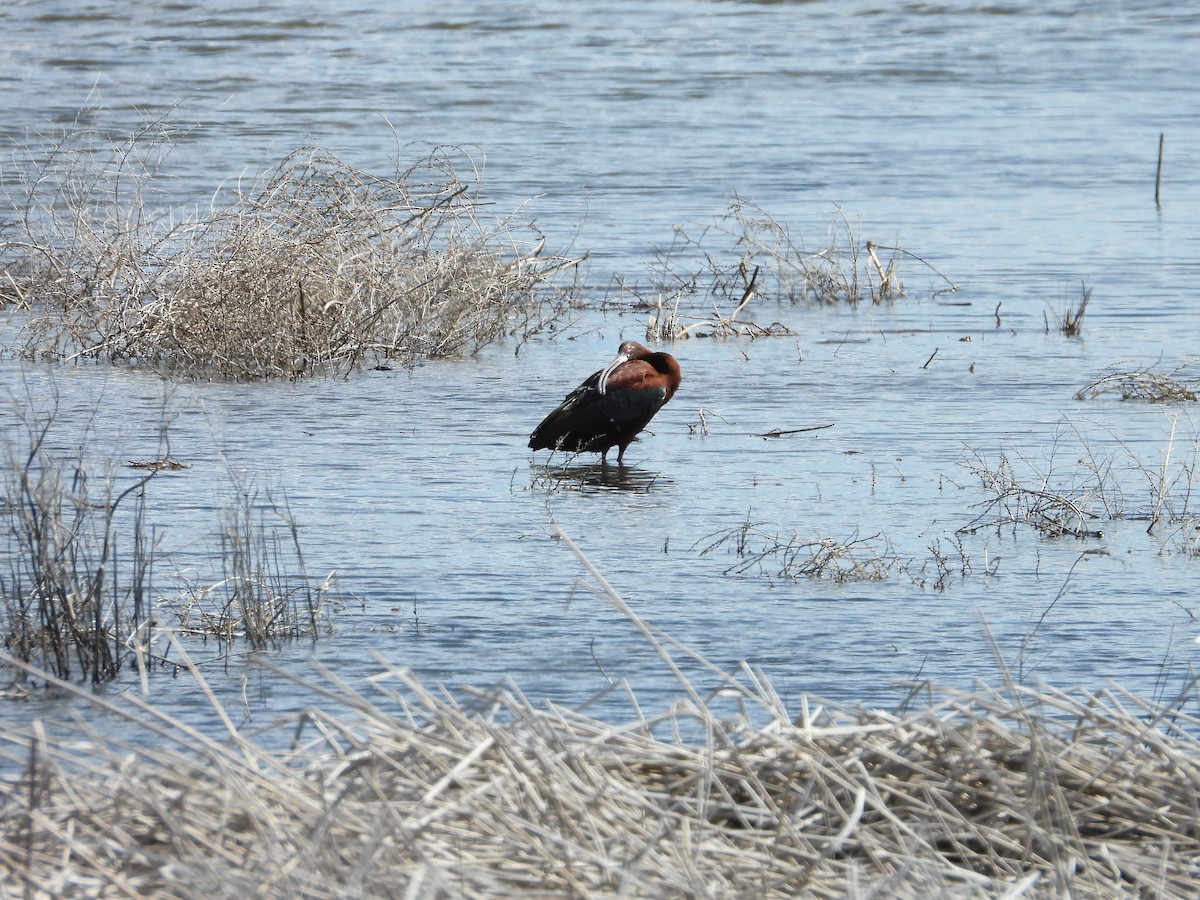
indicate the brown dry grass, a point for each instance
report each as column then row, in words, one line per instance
column 265, row 596
column 777, row 554
column 1054, row 509
column 1013, row 793
column 316, row 265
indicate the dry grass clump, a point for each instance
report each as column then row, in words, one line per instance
column 703, row 283
column 778, row 554
column 1055, row 510
column 1070, row 320
column 1146, row 385
column 793, row 557
column 1025, row 792
column 775, row 553
column 315, row 265
column 78, row 556
column 1096, row 486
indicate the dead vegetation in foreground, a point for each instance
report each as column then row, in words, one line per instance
column 1012, row 793
column 316, row 265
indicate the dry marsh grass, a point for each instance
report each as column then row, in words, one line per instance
column 1049, row 505
column 1144, row 384
column 707, row 282
column 77, row 558
column 265, row 595
column 1018, row 792
column 1070, row 320
column 771, row 552
column 774, row 553
column 80, row 562
column 315, row 265
column 1101, row 482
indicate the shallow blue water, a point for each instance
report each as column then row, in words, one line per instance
column 1012, row 147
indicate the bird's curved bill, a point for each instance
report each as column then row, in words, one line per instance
column 606, row 372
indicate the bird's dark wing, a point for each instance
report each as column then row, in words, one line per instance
column 590, row 421
column 575, row 419
column 629, row 408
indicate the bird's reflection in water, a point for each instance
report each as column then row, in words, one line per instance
column 597, row 477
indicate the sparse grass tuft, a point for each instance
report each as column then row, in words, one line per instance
column 792, row 557
column 704, row 283
column 316, row 265
column 78, row 598
column 265, row 595
column 1057, row 501
column 1053, row 511
column 77, row 559
column 1145, row 385
column 1070, row 321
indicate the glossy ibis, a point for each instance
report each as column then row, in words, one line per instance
column 612, row 406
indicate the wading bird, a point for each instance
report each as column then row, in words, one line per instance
column 612, row 406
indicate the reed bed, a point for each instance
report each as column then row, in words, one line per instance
column 409, row 791
column 983, row 793
column 316, row 265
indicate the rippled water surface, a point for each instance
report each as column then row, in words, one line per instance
column 1010, row 146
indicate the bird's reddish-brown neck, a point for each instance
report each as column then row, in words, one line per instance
column 668, row 366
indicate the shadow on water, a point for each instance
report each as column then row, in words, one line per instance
column 596, row 476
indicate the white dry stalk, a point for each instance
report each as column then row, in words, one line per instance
column 1161, row 493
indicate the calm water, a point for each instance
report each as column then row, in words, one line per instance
column 1013, row 146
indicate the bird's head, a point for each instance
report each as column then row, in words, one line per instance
column 627, row 351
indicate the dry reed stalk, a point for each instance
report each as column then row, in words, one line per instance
column 1158, row 170
column 315, row 266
